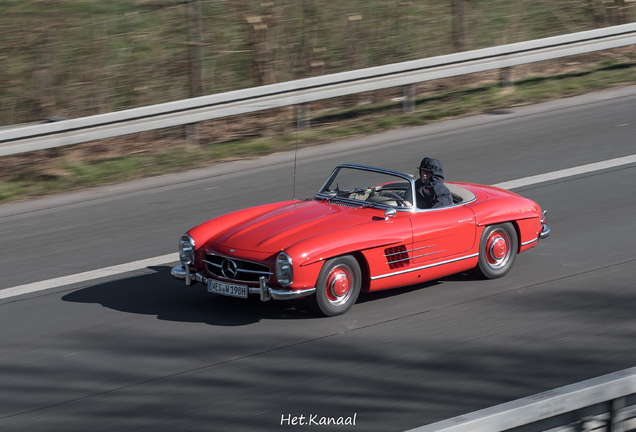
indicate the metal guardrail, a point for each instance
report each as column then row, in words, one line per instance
column 606, row 403
column 75, row 131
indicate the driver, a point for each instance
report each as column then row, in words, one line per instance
column 430, row 190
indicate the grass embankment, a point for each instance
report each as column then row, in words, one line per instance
column 59, row 175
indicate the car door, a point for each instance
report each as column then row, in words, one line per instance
column 442, row 233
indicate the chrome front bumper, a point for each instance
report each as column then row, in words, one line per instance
column 263, row 290
column 545, row 229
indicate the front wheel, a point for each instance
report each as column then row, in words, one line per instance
column 497, row 250
column 338, row 286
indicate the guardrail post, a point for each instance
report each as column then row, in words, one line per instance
column 408, row 99
column 304, row 114
column 617, row 415
column 507, row 77
column 192, row 135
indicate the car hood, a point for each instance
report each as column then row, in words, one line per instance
column 280, row 228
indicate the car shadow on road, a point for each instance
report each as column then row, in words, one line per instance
column 379, row 295
column 170, row 299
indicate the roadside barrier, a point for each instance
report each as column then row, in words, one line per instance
column 606, row 403
column 188, row 111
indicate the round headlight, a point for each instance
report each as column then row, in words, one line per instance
column 186, row 250
column 284, row 270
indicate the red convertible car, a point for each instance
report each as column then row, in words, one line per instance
column 361, row 232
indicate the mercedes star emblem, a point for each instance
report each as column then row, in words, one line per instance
column 229, row 269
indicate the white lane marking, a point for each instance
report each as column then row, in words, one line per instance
column 89, row 275
column 555, row 175
column 173, row 257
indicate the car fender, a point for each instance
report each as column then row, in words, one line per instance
column 524, row 213
column 505, row 209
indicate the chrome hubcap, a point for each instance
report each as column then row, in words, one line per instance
column 338, row 287
column 498, row 249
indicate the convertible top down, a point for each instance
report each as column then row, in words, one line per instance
column 361, row 232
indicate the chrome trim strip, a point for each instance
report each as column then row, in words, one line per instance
column 236, row 259
column 396, row 261
column 419, row 256
column 528, row 242
column 211, row 263
column 432, row 253
column 376, row 169
column 254, row 272
column 409, row 250
column 425, row 267
column 463, row 203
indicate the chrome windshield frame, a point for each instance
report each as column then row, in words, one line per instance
column 399, row 174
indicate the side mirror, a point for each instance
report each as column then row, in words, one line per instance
column 389, row 213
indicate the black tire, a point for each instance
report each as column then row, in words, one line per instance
column 334, row 298
column 497, row 250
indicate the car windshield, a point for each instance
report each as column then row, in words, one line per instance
column 368, row 186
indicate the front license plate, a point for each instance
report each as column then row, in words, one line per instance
column 227, row 289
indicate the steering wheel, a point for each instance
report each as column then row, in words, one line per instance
column 398, row 199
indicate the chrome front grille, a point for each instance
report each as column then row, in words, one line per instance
column 235, row 269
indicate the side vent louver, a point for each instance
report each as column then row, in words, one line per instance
column 397, row 257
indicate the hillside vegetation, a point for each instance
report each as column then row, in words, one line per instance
column 68, row 58
column 72, row 58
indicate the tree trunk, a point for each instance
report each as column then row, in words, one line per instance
column 196, row 86
column 194, row 36
column 354, row 56
column 460, row 25
column 598, row 13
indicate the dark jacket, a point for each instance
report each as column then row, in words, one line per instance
column 434, row 193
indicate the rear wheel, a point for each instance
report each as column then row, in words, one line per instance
column 497, row 250
column 338, row 286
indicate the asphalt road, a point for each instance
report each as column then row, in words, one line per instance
column 141, row 351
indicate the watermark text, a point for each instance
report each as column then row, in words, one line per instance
column 316, row 420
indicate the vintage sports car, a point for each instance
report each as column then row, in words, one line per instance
column 361, row 232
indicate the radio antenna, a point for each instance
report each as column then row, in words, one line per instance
column 296, row 154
